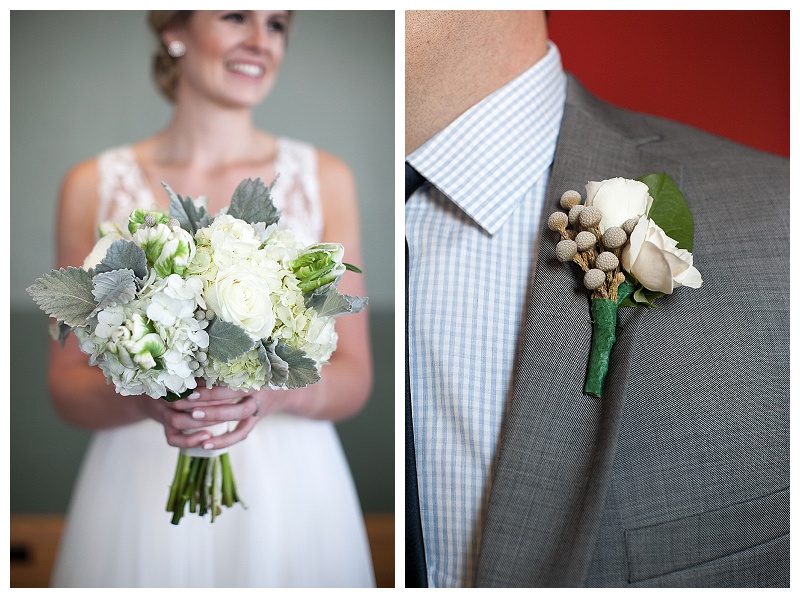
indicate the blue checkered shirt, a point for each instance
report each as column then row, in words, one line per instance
column 472, row 238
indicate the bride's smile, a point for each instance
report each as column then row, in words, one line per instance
column 232, row 57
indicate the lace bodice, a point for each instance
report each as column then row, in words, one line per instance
column 122, row 188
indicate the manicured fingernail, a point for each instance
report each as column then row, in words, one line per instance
column 194, row 396
column 198, row 414
column 208, row 446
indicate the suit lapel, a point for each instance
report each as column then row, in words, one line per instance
column 558, row 444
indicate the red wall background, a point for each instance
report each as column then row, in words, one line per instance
column 726, row 72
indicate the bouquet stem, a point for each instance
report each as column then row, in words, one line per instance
column 205, row 483
column 604, row 335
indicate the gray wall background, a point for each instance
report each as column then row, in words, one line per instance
column 80, row 83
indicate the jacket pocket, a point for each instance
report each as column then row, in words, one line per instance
column 662, row 548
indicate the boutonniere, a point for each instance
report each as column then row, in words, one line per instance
column 632, row 239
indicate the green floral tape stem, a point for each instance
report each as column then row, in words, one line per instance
column 604, row 326
column 604, row 335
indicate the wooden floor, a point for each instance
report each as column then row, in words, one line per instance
column 34, row 541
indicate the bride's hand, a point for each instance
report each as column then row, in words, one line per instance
column 208, row 406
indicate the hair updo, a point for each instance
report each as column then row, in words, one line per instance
column 165, row 67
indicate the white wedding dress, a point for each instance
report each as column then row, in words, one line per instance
column 303, row 525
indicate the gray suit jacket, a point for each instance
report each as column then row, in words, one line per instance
column 679, row 475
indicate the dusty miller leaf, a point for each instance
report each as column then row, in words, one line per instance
column 113, row 288
column 191, row 217
column 65, row 294
column 277, row 368
column 333, row 303
column 124, row 255
column 302, row 369
column 252, row 202
column 227, row 341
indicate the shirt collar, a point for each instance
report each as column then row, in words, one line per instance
column 487, row 158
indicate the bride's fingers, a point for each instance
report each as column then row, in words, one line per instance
column 215, row 393
column 187, row 404
column 241, row 432
column 177, row 438
column 245, row 408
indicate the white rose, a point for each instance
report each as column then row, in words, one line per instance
column 240, row 296
column 619, row 199
column 99, row 250
column 655, row 261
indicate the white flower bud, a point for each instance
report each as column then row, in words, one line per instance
column 566, row 250
column 594, row 279
column 557, row 221
column 570, row 199
column 149, row 220
column 606, row 261
column 590, row 217
column 614, row 237
column 585, row 240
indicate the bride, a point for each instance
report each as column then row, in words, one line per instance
column 302, row 525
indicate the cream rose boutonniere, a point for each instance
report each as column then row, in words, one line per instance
column 633, row 241
column 618, row 199
column 656, row 261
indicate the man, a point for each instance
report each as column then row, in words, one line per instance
column 678, row 476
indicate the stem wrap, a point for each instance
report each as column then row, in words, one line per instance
column 203, row 479
column 604, row 335
column 604, row 325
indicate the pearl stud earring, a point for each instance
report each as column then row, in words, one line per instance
column 176, row 48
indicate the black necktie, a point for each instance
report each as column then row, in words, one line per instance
column 416, row 570
column 413, row 180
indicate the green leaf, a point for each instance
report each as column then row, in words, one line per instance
column 113, row 288
column 122, row 255
column 670, row 210
column 227, row 341
column 352, row 268
column 644, row 297
column 65, row 294
column 171, row 397
column 641, row 296
column 252, row 202
column 626, row 289
column 191, row 217
column 332, row 303
column 302, row 369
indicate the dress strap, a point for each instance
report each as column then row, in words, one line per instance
column 121, row 186
column 296, row 191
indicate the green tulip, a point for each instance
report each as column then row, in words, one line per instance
column 138, row 218
column 318, row 265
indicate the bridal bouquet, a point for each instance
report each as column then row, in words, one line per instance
column 230, row 300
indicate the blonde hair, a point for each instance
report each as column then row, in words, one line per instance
column 165, row 67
